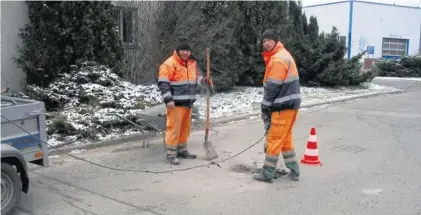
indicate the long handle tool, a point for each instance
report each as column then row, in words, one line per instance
column 207, row 145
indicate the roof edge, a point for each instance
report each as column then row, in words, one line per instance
column 324, row 4
column 364, row 2
column 386, row 4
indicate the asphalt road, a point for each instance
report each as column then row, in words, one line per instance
column 370, row 149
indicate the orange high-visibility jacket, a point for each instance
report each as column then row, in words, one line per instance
column 281, row 82
column 178, row 80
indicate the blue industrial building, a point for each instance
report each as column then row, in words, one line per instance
column 387, row 31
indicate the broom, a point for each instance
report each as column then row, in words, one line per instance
column 207, row 145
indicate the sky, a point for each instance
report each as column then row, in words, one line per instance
column 415, row 3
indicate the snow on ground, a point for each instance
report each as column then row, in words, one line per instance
column 399, row 79
column 246, row 100
column 84, row 99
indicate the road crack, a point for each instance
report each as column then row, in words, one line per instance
column 49, row 187
column 80, row 208
column 139, row 208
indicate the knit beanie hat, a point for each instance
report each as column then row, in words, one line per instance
column 183, row 44
column 270, row 34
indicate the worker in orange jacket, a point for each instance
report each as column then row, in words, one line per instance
column 178, row 79
column 279, row 107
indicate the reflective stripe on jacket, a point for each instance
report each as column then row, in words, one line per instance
column 178, row 80
column 281, row 82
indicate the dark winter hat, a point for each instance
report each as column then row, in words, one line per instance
column 270, row 34
column 183, row 44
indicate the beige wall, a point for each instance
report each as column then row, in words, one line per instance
column 140, row 58
column 14, row 15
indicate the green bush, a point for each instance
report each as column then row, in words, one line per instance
column 62, row 33
column 408, row 66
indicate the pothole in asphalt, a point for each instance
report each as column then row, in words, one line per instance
column 242, row 168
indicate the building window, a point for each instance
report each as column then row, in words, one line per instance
column 342, row 39
column 126, row 21
column 394, row 47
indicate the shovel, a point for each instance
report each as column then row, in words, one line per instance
column 207, row 145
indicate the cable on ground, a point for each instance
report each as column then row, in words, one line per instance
column 136, row 170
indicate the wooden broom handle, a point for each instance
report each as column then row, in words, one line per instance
column 208, row 95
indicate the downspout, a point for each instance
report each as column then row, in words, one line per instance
column 351, row 11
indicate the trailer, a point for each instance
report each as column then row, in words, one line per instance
column 23, row 140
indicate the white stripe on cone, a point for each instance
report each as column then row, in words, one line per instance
column 312, row 152
column 312, row 138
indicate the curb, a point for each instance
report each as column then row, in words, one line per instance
column 389, row 78
column 115, row 141
column 140, row 137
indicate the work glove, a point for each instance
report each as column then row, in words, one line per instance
column 265, row 147
column 171, row 105
column 209, row 83
column 266, row 120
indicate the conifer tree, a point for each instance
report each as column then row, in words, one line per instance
column 62, row 33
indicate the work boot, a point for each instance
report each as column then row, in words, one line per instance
column 280, row 173
column 186, row 154
column 294, row 176
column 171, row 159
column 262, row 177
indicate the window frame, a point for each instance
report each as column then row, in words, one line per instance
column 120, row 25
column 394, row 47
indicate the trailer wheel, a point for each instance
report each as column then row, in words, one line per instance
column 10, row 188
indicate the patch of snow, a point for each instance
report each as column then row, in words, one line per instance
column 54, row 156
column 398, row 79
column 120, row 133
column 241, row 100
column 253, row 117
column 52, row 141
column 57, row 140
column 246, row 100
column 77, row 151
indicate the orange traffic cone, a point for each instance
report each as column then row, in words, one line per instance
column 311, row 155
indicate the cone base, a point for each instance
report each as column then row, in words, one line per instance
column 314, row 163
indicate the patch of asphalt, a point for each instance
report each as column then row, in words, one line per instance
column 199, row 125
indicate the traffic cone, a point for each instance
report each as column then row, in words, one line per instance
column 311, row 155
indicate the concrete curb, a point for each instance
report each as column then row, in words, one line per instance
column 119, row 140
column 139, row 137
column 388, row 78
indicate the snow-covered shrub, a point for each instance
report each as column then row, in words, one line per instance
column 95, row 85
column 78, row 103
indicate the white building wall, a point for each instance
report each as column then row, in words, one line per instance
column 329, row 15
column 372, row 22
column 14, row 15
